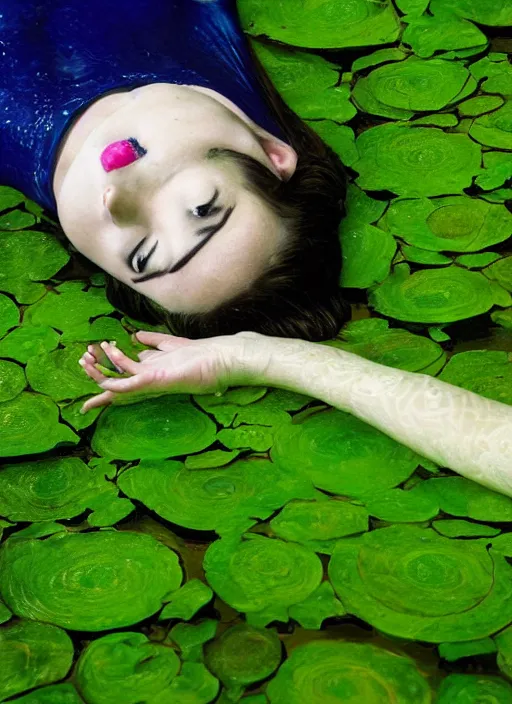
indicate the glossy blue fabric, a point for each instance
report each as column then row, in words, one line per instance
column 58, row 56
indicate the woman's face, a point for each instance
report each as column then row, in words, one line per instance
column 141, row 220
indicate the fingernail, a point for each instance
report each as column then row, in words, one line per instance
column 81, row 362
column 83, row 411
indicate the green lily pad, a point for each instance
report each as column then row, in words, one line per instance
column 125, row 667
column 10, row 198
column 498, row 170
column 194, row 685
column 261, row 576
column 187, row 601
column 318, row 524
column 103, row 328
column 366, row 101
column 57, row 374
column 480, row 105
column 40, row 415
column 70, row 412
column 462, row 497
column 318, row 606
column 496, row 70
column 455, row 651
column 9, row 314
column 307, row 83
column 503, row 642
column 67, row 305
column 434, row 295
column 209, row 460
column 25, row 342
column 496, row 14
column 54, row 694
column 503, row 318
column 341, row 454
column 225, row 408
column 339, row 137
column 501, row 271
column 380, row 56
column 32, row 654
column 471, row 689
column 451, row 224
column 424, row 256
column 455, row 528
column 437, row 120
column 485, row 372
column 17, row 269
column 495, row 128
column 62, row 487
column 88, row 581
column 16, row 220
column 500, row 195
column 417, row 84
column 399, row 506
column 243, row 655
column 157, row 428
column 190, row 638
column 367, row 254
column 477, row 261
column 224, row 499
column 324, row 24
column 427, row 34
column 372, row 338
column 415, row 161
column 410, row 582
column 12, row 380
column 326, row 671
column 247, row 437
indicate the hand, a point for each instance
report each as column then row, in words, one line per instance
column 176, row 365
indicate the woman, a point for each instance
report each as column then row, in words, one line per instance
column 130, row 171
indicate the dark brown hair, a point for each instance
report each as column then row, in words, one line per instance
column 299, row 295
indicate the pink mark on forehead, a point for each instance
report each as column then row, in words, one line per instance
column 121, row 153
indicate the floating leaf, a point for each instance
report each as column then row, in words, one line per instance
column 187, row 601
column 57, row 374
column 498, row 170
column 427, row 34
column 453, row 528
column 16, row 220
column 324, row 24
column 318, row 524
column 495, row 128
column 367, row 254
column 318, row 606
column 410, row 582
column 424, row 256
column 125, row 667
column 324, row 671
column 54, row 694
column 260, row 576
column 456, row 651
column 496, row 14
column 454, row 223
column 342, row 454
column 474, row 688
column 307, row 83
column 57, row 488
column 479, row 105
column 194, row 685
column 434, row 295
column 209, row 460
column 32, row 654
column 501, row 272
column 129, row 432
column 503, row 318
column 340, row 138
column 9, row 314
column 224, row 499
column 9, row 197
column 243, row 655
column 87, row 581
column 247, row 437
column 380, row 56
column 477, row 261
column 12, row 380
column 415, row 161
column 398, row 506
column 437, row 120
column 29, row 423
column 485, row 372
column 462, row 497
column 28, row 341
column 503, row 642
column 191, row 637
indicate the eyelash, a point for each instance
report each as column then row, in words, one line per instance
column 140, row 262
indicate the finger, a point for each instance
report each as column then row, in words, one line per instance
column 103, row 399
column 91, row 371
column 134, row 383
column 119, row 359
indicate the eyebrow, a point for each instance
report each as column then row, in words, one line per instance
column 210, row 231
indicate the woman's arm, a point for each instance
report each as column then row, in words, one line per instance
column 456, row 428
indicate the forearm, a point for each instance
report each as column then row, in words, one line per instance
column 458, row 429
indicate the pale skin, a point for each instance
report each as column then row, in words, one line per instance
column 106, row 214
column 457, row 429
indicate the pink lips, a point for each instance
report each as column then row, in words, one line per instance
column 121, row 153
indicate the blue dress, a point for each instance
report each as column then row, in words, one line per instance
column 59, row 56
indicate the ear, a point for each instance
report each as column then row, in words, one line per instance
column 283, row 156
